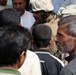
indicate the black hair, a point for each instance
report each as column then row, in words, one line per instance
column 13, row 41
column 9, row 16
column 42, row 35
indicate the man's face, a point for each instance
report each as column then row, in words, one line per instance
column 64, row 42
column 38, row 17
column 3, row 2
column 19, row 5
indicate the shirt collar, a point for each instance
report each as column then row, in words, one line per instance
column 71, row 57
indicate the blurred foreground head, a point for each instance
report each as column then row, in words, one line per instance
column 9, row 17
column 14, row 41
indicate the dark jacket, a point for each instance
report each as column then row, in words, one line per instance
column 49, row 65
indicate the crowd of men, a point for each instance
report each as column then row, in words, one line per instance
column 37, row 40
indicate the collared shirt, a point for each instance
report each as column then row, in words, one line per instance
column 71, row 57
column 49, row 65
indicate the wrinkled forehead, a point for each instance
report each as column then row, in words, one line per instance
column 62, row 28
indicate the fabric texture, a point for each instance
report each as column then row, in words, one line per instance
column 49, row 65
column 69, row 10
column 64, row 10
column 38, row 5
column 9, row 71
column 27, row 19
column 52, row 21
column 31, row 65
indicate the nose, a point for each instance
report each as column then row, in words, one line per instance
column 17, row 5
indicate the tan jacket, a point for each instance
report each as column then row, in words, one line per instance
column 52, row 22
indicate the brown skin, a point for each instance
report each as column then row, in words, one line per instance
column 3, row 2
column 66, row 42
column 36, row 47
column 38, row 17
column 19, row 62
column 19, row 5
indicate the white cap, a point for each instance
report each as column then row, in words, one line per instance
column 38, row 5
column 69, row 10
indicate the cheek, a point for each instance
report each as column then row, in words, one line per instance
column 14, row 6
column 23, row 5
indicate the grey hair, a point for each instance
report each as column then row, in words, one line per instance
column 70, row 23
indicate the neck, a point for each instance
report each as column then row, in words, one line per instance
column 22, row 13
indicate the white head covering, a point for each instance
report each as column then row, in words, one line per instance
column 38, row 5
column 69, row 10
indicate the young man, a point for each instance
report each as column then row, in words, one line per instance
column 50, row 65
column 13, row 46
column 66, row 42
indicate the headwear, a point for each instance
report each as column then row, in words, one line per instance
column 69, row 10
column 38, row 5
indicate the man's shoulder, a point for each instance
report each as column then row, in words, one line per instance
column 32, row 54
column 69, row 69
column 9, row 71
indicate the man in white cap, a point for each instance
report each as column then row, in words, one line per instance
column 43, row 13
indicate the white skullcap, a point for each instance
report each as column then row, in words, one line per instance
column 69, row 10
column 38, row 5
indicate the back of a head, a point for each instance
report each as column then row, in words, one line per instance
column 38, row 5
column 13, row 41
column 9, row 17
column 42, row 34
column 66, row 20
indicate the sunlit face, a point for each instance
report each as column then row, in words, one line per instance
column 3, row 2
column 19, row 5
column 64, row 42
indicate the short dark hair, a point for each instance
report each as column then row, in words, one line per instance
column 70, row 23
column 13, row 41
column 41, row 34
column 9, row 16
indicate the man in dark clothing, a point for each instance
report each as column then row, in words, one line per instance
column 50, row 65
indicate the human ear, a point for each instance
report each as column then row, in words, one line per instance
column 50, row 42
column 21, row 59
